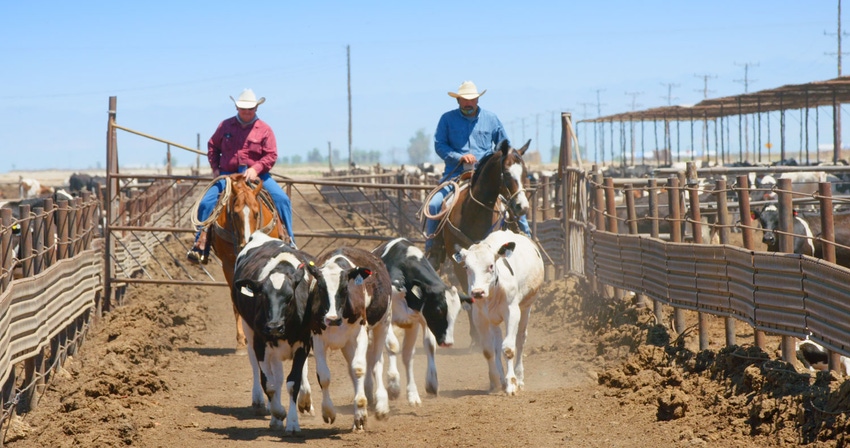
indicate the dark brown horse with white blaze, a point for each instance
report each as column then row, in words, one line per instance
column 245, row 208
column 496, row 198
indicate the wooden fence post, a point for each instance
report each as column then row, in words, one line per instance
column 723, row 225
column 747, row 236
column 657, row 305
column 828, row 247
column 674, row 204
column 786, row 245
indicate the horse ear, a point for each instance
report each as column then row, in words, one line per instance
column 524, row 148
column 504, row 147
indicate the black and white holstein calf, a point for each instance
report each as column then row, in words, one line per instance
column 505, row 271
column 271, row 291
column 355, row 292
column 420, row 299
column 807, row 227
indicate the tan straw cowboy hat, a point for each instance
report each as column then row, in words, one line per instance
column 467, row 91
column 247, row 100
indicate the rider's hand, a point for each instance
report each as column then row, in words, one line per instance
column 251, row 174
column 468, row 159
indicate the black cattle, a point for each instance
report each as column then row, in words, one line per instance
column 420, row 298
column 807, row 226
column 79, row 182
column 271, row 291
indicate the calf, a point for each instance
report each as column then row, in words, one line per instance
column 815, row 358
column 271, row 291
column 768, row 218
column 420, row 298
column 504, row 273
column 355, row 291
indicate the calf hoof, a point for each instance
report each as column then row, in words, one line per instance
column 260, row 409
column 328, row 415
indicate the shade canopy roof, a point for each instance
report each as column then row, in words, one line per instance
column 792, row 96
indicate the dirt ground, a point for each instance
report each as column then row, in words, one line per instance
column 161, row 371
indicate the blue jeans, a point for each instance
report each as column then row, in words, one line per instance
column 281, row 201
column 437, row 203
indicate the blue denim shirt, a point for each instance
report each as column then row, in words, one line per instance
column 457, row 135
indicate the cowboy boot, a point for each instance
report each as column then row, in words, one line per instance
column 199, row 253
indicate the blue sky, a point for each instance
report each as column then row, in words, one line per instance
column 173, row 65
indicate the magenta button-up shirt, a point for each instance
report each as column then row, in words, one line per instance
column 232, row 145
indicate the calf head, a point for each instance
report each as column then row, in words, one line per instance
column 346, row 295
column 439, row 305
column 280, row 298
column 480, row 262
column 768, row 219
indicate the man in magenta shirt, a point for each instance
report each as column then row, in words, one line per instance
column 243, row 144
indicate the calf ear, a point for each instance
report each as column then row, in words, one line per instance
column 359, row 275
column 507, row 248
column 460, row 256
column 247, row 287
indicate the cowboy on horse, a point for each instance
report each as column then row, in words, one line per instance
column 464, row 136
column 241, row 144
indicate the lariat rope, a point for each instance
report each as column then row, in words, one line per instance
column 222, row 200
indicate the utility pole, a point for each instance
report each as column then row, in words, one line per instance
column 584, row 116
column 348, row 63
column 668, row 151
column 703, row 142
column 601, row 129
column 635, row 105
column 836, row 107
column 746, row 81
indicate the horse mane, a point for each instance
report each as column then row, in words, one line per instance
column 480, row 167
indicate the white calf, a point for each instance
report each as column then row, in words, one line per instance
column 504, row 273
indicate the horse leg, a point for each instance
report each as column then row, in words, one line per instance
column 241, row 341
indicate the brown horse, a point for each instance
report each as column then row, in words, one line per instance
column 245, row 208
column 496, row 198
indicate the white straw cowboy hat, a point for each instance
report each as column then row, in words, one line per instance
column 467, row 91
column 247, row 100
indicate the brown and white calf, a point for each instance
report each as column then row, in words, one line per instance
column 420, row 299
column 355, row 291
column 271, row 291
column 504, row 273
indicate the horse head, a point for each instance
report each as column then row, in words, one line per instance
column 514, row 177
column 245, row 212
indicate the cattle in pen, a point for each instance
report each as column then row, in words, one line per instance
column 420, row 299
column 806, row 229
column 505, row 272
column 271, row 291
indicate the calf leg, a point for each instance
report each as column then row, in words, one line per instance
column 305, row 395
column 355, row 354
column 293, row 386
column 273, row 368
column 393, row 380
column 509, row 348
column 258, row 397
column 407, row 353
column 488, row 347
column 323, row 373
column 430, row 344
column 375, row 373
column 522, row 333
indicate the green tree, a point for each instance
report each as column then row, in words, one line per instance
column 315, row 156
column 419, row 149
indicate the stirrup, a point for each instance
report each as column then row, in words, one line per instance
column 197, row 256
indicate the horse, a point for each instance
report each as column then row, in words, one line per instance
column 242, row 208
column 495, row 197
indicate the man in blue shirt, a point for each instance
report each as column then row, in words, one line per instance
column 463, row 137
